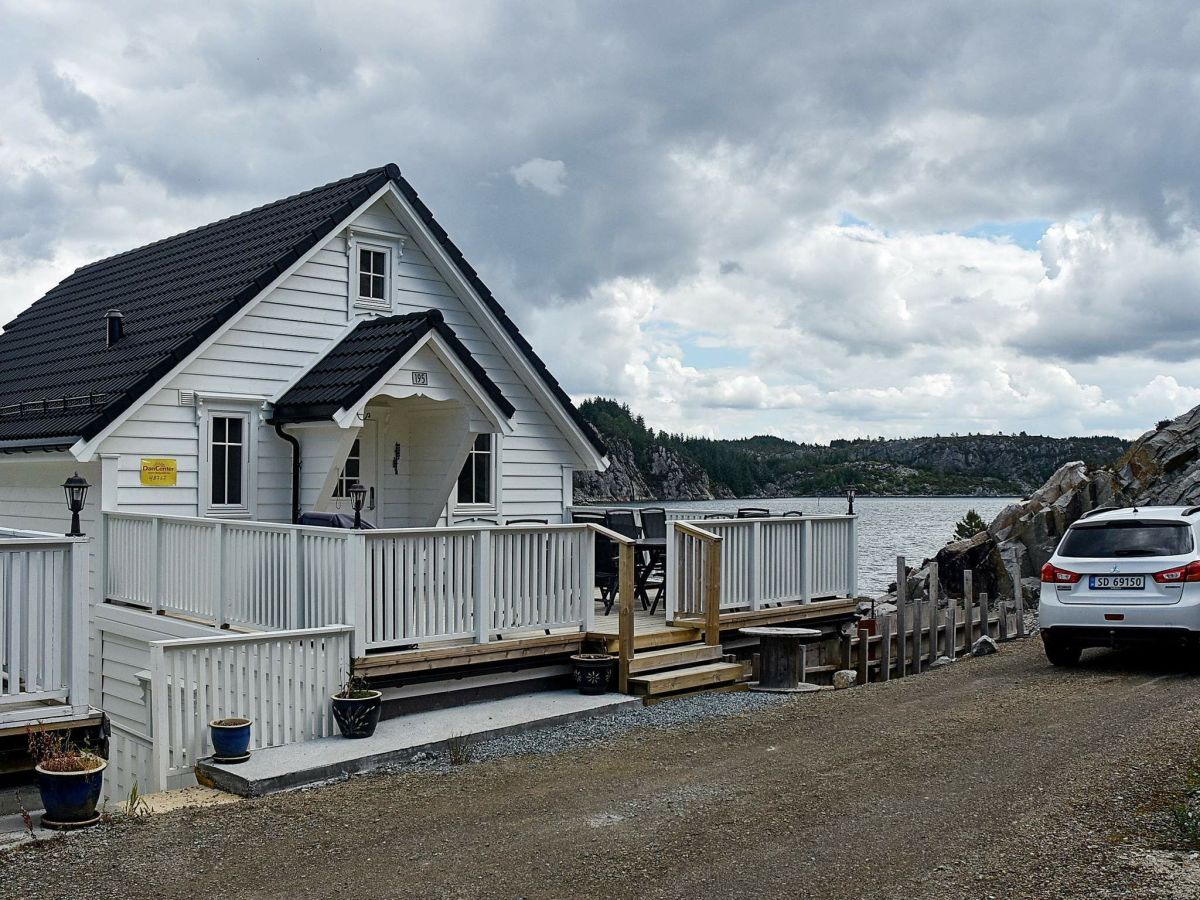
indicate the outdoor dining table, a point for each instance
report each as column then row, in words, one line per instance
column 781, row 659
column 655, row 549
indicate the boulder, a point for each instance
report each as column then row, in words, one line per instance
column 984, row 646
column 844, row 678
column 941, row 662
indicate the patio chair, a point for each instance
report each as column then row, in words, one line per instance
column 608, row 574
column 622, row 522
column 716, row 515
column 527, row 522
column 654, row 522
column 477, row 520
column 753, row 512
column 586, row 516
column 793, row 512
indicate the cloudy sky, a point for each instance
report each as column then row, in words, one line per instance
column 813, row 220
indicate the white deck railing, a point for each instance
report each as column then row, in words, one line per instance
column 43, row 626
column 397, row 587
column 281, row 680
column 766, row 562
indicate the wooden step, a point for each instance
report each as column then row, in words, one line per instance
column 674, row 658
column 706, row 675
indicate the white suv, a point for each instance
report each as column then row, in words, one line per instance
column 1122, row 576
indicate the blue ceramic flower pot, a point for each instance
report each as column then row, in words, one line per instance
column 70, row 798
column 230, row 738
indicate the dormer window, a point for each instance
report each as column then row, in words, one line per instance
column 372, row 276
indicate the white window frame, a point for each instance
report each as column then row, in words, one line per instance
column 392, row 248
column 249, row 416
column 493, row 505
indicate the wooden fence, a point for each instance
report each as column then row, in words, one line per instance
column 282, row 680
column 43, row 627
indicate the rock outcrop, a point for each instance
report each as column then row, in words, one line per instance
column 668, row 476
column 1161, row 468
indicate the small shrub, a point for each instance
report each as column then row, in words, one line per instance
column 135, row 803
column 55, row 753
column 1161, row 424
column 1186, row 817
column 969, row 525
column 459, row 749
column 355, row 688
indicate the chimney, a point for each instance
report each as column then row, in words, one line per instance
column 115, row 321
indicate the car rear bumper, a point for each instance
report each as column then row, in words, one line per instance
column 1097, row 625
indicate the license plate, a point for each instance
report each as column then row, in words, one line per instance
column 1117, row 582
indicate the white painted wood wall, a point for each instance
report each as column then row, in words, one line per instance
column 281, row 336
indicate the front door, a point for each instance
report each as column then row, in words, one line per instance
column 362, row 466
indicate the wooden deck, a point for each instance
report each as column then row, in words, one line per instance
column 650, row 632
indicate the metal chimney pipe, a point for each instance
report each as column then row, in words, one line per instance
column 115, row 325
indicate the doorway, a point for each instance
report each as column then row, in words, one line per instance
column 361, row 465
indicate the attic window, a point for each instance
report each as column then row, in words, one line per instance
column 373, row 276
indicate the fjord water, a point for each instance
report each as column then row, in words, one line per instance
column 915, row 527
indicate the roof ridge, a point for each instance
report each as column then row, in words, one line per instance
column 99, row 263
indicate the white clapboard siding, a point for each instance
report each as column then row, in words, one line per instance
column 281, row 680
column 282, row 335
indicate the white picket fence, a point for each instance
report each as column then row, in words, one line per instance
column 281, row 680
column 43, row 626
column 766, row 562
column 397, row 587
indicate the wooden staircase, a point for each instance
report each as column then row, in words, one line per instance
column 683, row 671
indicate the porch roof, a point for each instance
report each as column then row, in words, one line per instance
column 342, row 377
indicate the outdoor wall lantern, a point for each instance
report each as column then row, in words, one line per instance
column 850, row 502
column 358, row 495
column 76, row 488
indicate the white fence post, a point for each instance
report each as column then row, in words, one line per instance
column 357, row 594
column 756, row 560
column 482, row 578
column 76, row 605
column 217, row 575
column 806, row 562
column 160, row 729
column 852, row 561
column 296, row 595
column 588, row 588
column 672, row 572
column 156, row 564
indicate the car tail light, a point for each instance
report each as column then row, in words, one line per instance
column 1052, row 574
column 1179, row 574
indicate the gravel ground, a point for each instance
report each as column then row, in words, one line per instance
column 997, row 777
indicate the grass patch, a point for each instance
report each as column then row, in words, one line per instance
column 460, row 750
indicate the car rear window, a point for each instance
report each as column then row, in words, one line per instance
column 1126, row 539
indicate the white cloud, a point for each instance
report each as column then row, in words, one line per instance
column 547, row 175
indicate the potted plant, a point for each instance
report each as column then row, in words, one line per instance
column 230, row 739
column 593, row 672
column 69, row 780
column 356, row 709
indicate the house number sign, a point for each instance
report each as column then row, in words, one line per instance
column 159, row 472
column 420, row 378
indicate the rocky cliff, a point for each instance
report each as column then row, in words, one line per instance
column 1161, row 467
column 665, row 476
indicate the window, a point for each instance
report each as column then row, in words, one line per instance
column 351, row 472
column 227, row 461
column 475, row 480
column 1126, row 538
column 372, row 276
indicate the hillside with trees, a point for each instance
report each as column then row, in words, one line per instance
column 649, row 464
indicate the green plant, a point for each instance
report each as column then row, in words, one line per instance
column 969, row 525
column 26, row 818
column 460, row 750
column 135, row 803
column 355, row 688
column 1186, row 816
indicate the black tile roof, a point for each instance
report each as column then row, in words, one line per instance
column 365, row 355
column 60, row 381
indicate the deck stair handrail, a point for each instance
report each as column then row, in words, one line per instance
column 625, row 598
column 282, row 680
column 43, row 626
column 769, row 562
column 694, row 563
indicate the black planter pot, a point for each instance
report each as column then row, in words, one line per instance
column 593, row 672
column 357, row 717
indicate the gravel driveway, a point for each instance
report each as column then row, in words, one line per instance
column 997, row 777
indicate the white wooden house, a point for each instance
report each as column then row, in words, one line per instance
column 216, row 385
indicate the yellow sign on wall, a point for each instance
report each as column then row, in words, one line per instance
column 159, row 472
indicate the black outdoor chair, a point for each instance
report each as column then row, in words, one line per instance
column 793, row 512
column 716, row 515
column 654, row 522
column 584, row 516
column 477, row 520
column 607, row 576
column 753, row 512
column 622, row 522
column 527, row 522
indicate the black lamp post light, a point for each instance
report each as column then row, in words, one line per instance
column 358, row 496
column 75, row 488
